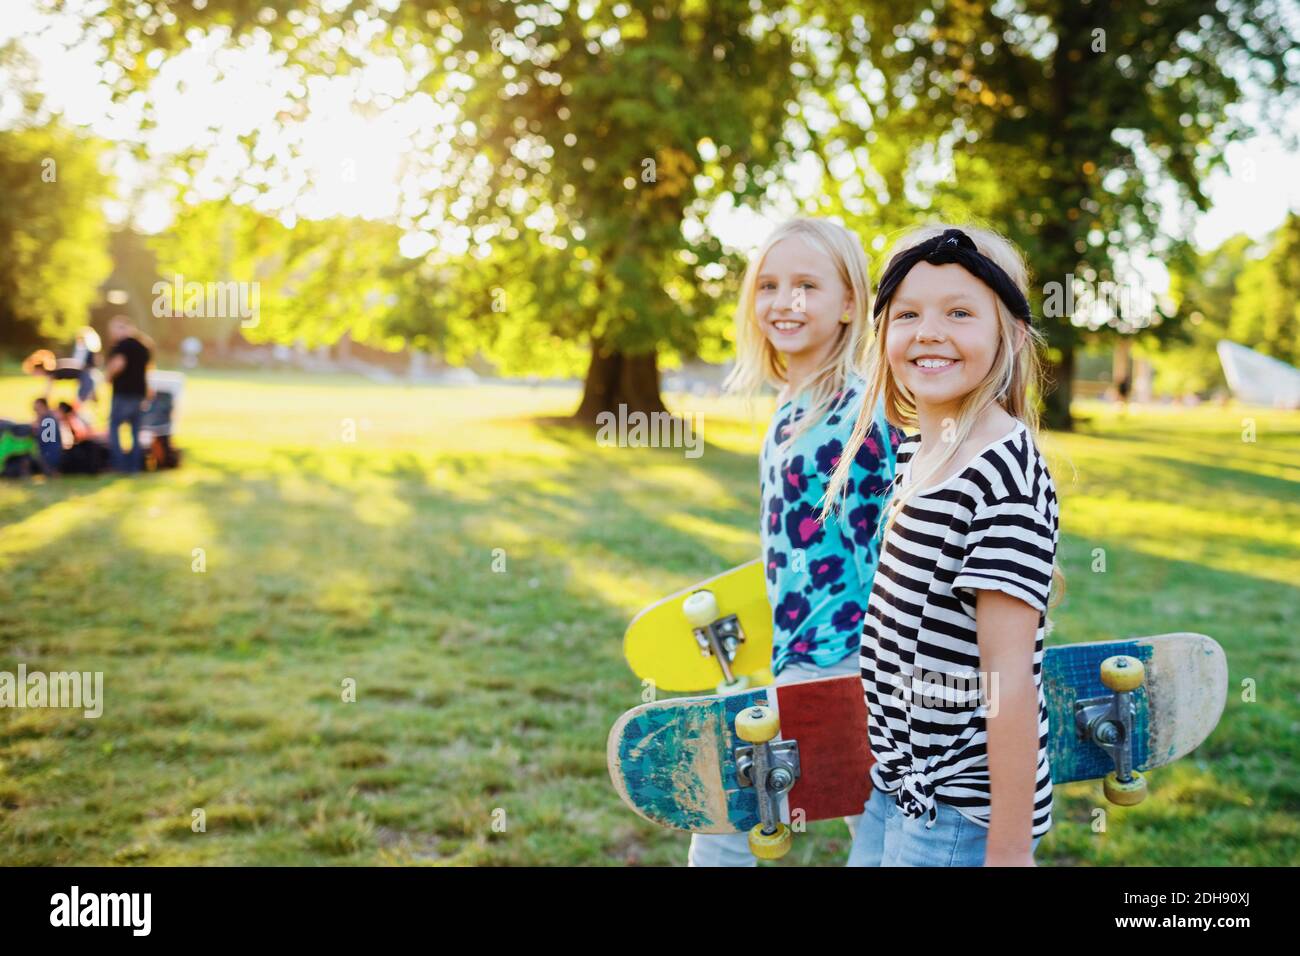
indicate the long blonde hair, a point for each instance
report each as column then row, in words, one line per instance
column 759, row 363
column 1014, row 381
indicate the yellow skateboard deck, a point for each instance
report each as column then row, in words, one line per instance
column 669, row 641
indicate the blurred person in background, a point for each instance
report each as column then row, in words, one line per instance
column 126, row 369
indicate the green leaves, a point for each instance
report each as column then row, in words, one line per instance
column 576, row 147
column 52, row 231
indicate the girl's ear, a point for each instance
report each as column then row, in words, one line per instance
column 1022, row 333
column 847, row 317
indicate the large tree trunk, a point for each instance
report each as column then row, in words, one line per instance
column 614, row 378
column 1056, row 400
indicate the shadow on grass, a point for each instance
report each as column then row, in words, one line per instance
column 477, row 691
column 1211, row 473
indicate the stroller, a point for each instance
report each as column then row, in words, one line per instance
column 159, row 421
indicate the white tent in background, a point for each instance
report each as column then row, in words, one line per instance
column 1259, row 379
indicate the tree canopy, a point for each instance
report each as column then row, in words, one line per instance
column 1056, row 122
column 52, row 223
column 580, row 146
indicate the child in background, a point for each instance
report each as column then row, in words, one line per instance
column 75, row 426
column 952, row 649
column 83, row 356
column 800, row 326
column 48, row 435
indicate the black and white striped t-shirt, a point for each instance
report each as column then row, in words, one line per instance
column 994, row 525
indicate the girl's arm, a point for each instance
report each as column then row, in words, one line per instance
column 1006, row 628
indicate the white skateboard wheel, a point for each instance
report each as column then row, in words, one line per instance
column 739, row 684
column 701, row 608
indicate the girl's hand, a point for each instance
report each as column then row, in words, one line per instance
column 992, row 858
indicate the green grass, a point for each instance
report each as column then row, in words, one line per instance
column 483, row 696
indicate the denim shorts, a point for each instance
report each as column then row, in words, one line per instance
column 885, row 836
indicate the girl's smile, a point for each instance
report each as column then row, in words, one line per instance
column 935, row 365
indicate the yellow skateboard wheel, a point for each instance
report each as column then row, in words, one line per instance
column 1121, row 673
column 757, row 724
column 701, row 608
column 1125, row 794
column 770, row 846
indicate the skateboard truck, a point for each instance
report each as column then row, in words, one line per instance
column 717, row 636
column 771, row 768
column 1107, row 721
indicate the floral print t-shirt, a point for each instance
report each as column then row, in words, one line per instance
column 818, row 578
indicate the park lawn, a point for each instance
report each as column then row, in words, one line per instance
column 471, row 566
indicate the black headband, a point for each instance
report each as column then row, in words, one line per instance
column 953, row 246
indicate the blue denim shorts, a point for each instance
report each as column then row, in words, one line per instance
column 885, row 836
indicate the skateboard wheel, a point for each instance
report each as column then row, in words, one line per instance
column 757, row 724
column 701, row 608
column 770, row 846
column 740, row 683
column 1122, row 673
column 1125, row 794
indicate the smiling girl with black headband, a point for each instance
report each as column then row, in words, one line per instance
column 952, row 644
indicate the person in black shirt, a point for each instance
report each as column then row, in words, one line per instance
column 126, row 367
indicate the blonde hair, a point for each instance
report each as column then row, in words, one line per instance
column 759, row 363
column 1014, row 381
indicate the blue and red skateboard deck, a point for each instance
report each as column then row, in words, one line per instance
column 674, row 761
